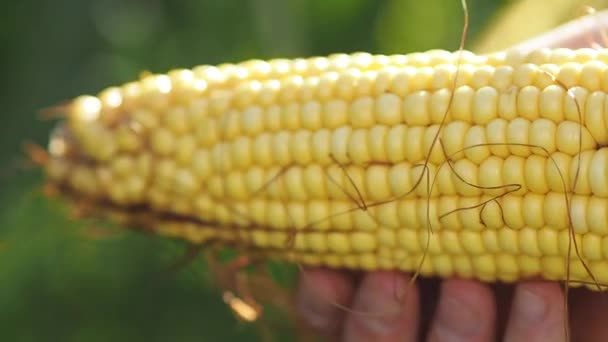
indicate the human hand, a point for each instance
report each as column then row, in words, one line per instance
column 460, row 310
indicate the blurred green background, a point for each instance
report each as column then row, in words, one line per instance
column 57, row 281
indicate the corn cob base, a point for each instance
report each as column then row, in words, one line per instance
column 491, row 167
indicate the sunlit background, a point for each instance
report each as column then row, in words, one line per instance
column 67, row 280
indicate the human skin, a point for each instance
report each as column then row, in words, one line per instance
column 466, row 310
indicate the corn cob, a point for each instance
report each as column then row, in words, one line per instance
column 490, row 167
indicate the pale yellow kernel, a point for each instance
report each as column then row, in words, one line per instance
column 262, row 150
column 485, row 105
column 185, row 183
column 345, row 84
column 472, row 242
column 176, row 120
column 289, row 88
column 421, row 177
column 574, row 104
column 382, row 82
column 311, row 115
column 255, row 181
column 412, row 141
column 592, row 247
column 443, row 76
column 557, row 172
column 394, row 143
column 122, row 165
column 276, row 217
column 366, row 83
column 316, row 242
column 362, row 113
column 453, row 139
column 547, row 241
column 220, row 158
column 533, row 209
column 335, row 113
column 430, row 145
column 431, row 243
column 415, row 108
column 447, row 209
column 594, row 117
column 398, row 179
column 542, row 136
column 513, row 211
column 580, row 174
column 439, row 105
column 463, row 266
column 386, row 215
column 219, row 102
column 401, row 84
column 485, row 267
column 201, row 164
column 299, row 147
column 252, row 119
column 524, row 74
column 502, row 78
column 470, row 213
column 235, row 187
column 339, row 144
column 508, row 241
column 527, row 102
column 407, row 213
column 318, row 214
column 597, row 215
column 358, row 148
column 507, row 104
column 462, row 104
column 376, row 141
column 551, row 100
column 162, row 141
column 464, row 176
column 280, row 148
column 451, row 243
column 312, row 174
column 569, row 74
column 546, row 75
column 229, row 125
column 508, row 267
column 269, row 92
column 376, row 181
column 290, row 116
column 185, row 146
column 273, row 118
column 490, row 176
column 388, row 109
column 294, row 183
column 340, row 215
column 240, row 152
column 534, row 174
column 572, row 138
column 518, row 131
column 496, row 133
column 338, row 242
column 274, row 184
column 578, row 214
column 566, row 242
column 475, row 144
column 591, row 75
column 363, row 242
column 443, row 181
column 491, row 214
column 128, row 139
column 207, row 132
column 482, row 76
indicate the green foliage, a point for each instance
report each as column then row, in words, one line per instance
column 59, row 284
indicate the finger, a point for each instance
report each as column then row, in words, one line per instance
column 577, row 33
column 537, row 314
column 589, row 310
column 466, row 312
column 319, row 291
column 385, row 310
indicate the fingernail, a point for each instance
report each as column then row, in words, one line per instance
column 457, row 319
column 529, row 308
column 380, row 304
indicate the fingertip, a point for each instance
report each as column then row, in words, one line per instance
column 385, row 309
column 537, row 313
column 466, row 312
column 319, row 294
